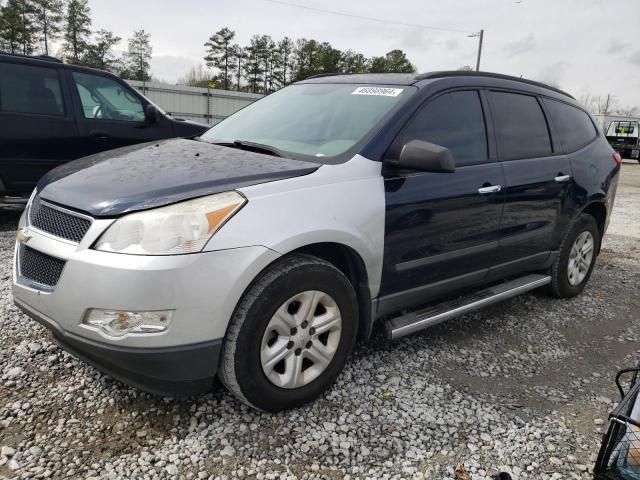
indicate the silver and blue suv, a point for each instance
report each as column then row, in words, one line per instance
column 260, row 251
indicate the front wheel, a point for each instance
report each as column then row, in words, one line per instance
column 574, row 265
column 290, row 335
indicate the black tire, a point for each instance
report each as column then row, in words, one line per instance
column 241, row 368
column 560, row 285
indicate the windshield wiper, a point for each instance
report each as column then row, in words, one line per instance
column 253, row 147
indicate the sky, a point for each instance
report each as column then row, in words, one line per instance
column 582, row 46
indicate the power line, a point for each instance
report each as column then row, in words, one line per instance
column 373, row 19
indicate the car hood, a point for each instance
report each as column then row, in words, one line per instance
column 160, row 173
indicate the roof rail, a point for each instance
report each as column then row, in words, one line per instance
column 320, row 75
column 46, row 58
column 464, row 73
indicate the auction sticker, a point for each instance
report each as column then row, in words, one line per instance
column 379, row 91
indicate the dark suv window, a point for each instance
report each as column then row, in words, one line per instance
column 29, row 89
column 453, row 120
column 574, row 126
column 521, row 128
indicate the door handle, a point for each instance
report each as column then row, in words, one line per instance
column 101, row 134
column 489, row 189
column 563, row 178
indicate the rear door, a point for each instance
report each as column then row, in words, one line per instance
column 442, row 229
column 538, row 180
column 37, row 126
column 111, row 114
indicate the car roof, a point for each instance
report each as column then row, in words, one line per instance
column 48, row 61
column 405, row 79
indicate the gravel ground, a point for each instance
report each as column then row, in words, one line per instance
column 523, row 387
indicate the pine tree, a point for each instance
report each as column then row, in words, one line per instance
column 237, row 55
column 11, row 27
column 138, row 56
column 219, row 53
column 284, row 60
column 99, row 52
column 48, row 16
column 77, row 30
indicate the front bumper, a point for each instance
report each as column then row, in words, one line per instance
column 202, row 290
column 172, row 371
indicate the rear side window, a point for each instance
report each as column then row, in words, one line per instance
column 454, row 120
column 521, row 128
column 574, row 126
column 29, row 89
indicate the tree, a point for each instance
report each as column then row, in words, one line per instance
column 395, row 61
column 77, row 30
column 237, row 55
column 48, row 16
column 196, row 77
column 219, row 53
column 353, row 62
column 138, row 56
column 11, row 31
column 253, row 66
column 282, row 70
column 99, row 52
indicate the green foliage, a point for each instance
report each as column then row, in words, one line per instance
column 266, row 66
column 77, row 30
column 395, row 61
column 219, row 53
column 17, row 29
column 138, row 57
column 48, row 15
column 99, row 53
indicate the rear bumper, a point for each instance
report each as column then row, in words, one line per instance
column 172, row 371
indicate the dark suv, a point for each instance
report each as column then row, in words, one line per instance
column 51, row 113
column 261, row 250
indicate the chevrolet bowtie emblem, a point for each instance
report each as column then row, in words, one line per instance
column 23, row 235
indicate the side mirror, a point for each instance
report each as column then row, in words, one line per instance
column 426, row 157
column 151, row 114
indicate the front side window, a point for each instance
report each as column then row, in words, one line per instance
column 521, row 128
column 105, row 99
column 29, row 89
column 455, row 121
column 574, row 126
column 311, row 121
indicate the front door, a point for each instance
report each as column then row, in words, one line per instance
column 112, row 115
column 442, row 229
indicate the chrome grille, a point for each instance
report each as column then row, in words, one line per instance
column 57, row 222
column 39, row 267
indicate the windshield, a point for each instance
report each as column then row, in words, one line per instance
column 311, row 120
column 623, row 129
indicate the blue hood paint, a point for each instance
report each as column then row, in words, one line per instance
column 160, row 173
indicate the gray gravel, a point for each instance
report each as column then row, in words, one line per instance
column 523, row 387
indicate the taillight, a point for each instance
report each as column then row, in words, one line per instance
column 617, row 158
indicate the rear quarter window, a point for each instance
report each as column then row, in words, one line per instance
column 29, row 89
column 574, row 126
column 521, row 127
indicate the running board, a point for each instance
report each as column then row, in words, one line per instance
column 427, row 317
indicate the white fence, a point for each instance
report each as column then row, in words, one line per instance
column 206, row 105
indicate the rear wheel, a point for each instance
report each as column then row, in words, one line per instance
column 574, row 265
column 290, row 335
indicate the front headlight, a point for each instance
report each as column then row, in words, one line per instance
column 185, row 227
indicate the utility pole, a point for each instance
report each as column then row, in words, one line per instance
column 481, row 35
